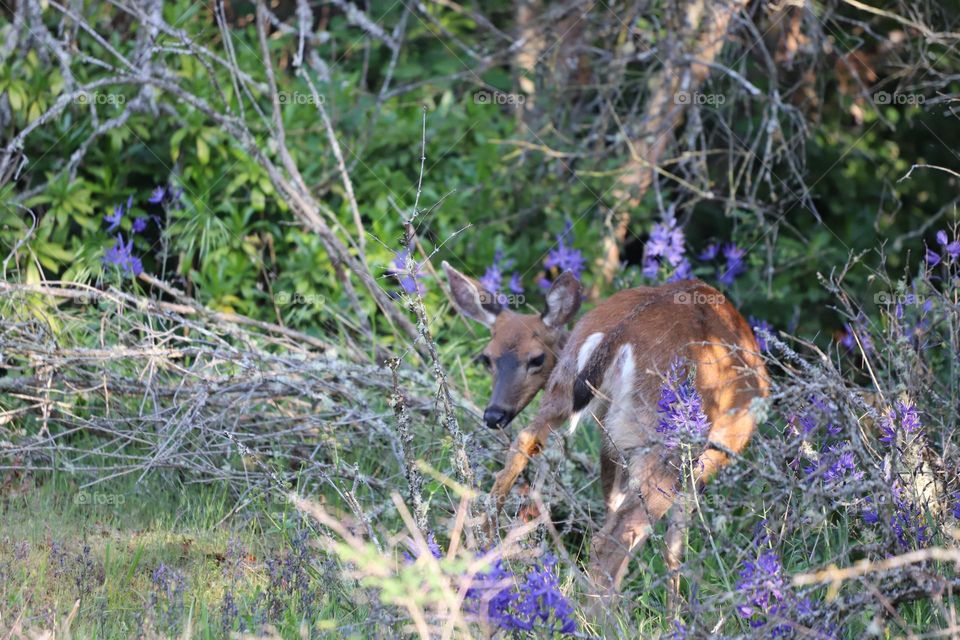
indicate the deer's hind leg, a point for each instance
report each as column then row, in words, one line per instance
column 676, row 540
column 645, row 493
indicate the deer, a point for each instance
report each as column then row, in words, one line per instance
column 610, row 366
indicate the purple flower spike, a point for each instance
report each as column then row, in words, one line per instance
column 735, row 266
column 711, row 252
column 515, row 286
column 760, row 329
column 565, row 257
column 114, row 219
column 493, row 276
column 953, row 250
column 157, row 196
column 121, row 255
column 682, row 419
column 409, row 280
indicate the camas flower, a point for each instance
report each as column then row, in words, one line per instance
column 121, row 255
column 564, row 257
column 849, row 340
column 950, row 248
column 515, row 285
column 734, row 266
column 157, row 195
column 139, row 225
column 114, row 219
column 493, row 277
column 762, row 590
column 531, row 603
column 432, row 545
column 409, row 280
column 710, row 252
column 761, row 328
column 908, row 521
column 680, row 408
column 766, row 601
column 902, row 417
column 666, row 247
column 836, row 464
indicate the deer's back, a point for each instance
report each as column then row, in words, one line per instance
column 625, row 346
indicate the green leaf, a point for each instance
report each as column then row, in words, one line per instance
column 203, row 151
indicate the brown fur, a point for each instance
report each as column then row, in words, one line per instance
column 619, row 383
column 656, row 324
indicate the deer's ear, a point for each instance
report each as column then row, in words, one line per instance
column 471, row 299
column 563, row 301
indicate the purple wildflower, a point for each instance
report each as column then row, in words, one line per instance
column 409, row 280
column 120, row 255
column 169, row 586
column 933, row 258
column 956, row 506
column 534, row 602
column 762, row 590
column 684, row 271
column 761, row 328
column 908, row 521
column 156, row 197
column 680, row 408
column 651, row 268
column 564, row 257
column 515, row 285
column 114, row 219
column 953, row 250
column 837, row 464
column 942, row 237
column 139, row 225
column 849, row 340
column 666, row 246
column 680, row 631
column 734, row 266
column 544, row 284
column 904, row 417
column 493, row 277
column 712, row 251
column 432, row 545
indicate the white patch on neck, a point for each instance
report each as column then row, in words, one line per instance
column 587, row 349
column 574, row 422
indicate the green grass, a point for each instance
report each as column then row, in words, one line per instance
column 55, row 549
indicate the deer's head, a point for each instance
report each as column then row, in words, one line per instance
column 523, row 348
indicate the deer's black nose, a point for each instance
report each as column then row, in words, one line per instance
column 496, row 417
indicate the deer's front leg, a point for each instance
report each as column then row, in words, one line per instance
column 528, row 443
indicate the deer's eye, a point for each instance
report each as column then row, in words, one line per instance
column 484, row 359
column 536, row 361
